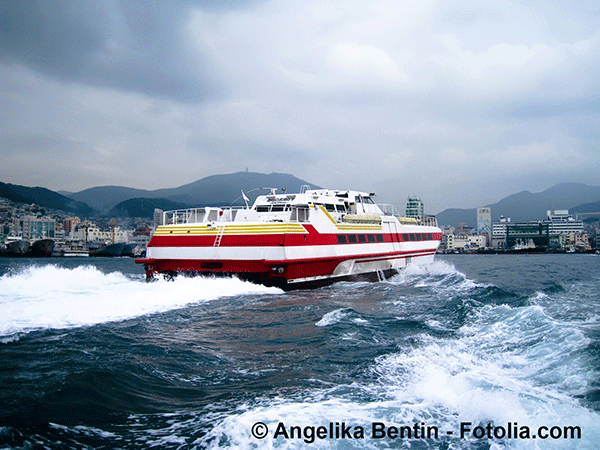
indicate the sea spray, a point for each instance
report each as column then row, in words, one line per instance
column 43, row 297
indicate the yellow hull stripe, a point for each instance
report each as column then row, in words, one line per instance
column 256, row 229
column 232, row 229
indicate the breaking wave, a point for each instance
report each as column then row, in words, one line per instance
column 53, row 297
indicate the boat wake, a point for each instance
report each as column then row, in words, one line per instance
column 505, row 364
column 50, row 297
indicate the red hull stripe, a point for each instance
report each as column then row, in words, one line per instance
column 293, row 269
column 276, row 240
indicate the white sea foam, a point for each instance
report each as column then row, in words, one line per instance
column 437, row 267
column 439, row 274
column 333, row 317
column 54, row 297
column 507, row 365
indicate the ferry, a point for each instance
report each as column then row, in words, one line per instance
column 303, row 240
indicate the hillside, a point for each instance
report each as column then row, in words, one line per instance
column 44, row 197
column 143, row 207
column 213, row 190
column 587, row 208
column 525, row 206
column 103, row 198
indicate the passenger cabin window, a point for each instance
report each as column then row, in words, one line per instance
column 300, row 213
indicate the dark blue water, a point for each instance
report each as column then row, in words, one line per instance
column 93, row 357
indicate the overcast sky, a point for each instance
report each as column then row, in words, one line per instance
column 459, row 102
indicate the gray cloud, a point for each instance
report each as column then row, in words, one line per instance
column 126, row 45
column 460, row 104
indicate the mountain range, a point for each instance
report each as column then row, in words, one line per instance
column 215, row 190
column 119, row 201
column 525, row 206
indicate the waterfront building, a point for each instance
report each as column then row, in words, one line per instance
column 70, row 223
column 524, row 233
column 507, row 234
column 499, row 232
column 446, row 231
column 557, row 242
column 429, row 221
column 578, row 241
column 158, row 217
column 561, row 222
column 32, row 227
column 90, row 232
column 415, row 208
column 465, row 241
column 484, row 220
column 559, row 231
column 140, row 236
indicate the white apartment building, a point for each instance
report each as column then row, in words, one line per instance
column 561, row 222
column 90, row 232
column 499, row 232
column 465, row 241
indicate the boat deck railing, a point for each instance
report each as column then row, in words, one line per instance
column 211, row 214
column 425, row 220
column 201, row 215
column 388, row 209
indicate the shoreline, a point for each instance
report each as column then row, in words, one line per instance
column 519, row 252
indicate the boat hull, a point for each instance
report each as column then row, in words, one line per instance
column 299, row 273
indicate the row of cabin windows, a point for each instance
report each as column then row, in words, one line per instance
column 333, row 208
column 362, row 238
column 342, row 208
column 273, row 208
column 328, row 206
column 280, row 208
column 359, row 238
column 417, row 237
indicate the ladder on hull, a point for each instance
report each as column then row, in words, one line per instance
column 219, row 236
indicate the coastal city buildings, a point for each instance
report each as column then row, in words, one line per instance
column 90, row 232
column 29, row 223
column 559, row 231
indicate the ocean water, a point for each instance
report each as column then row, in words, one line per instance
column 471, row 352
